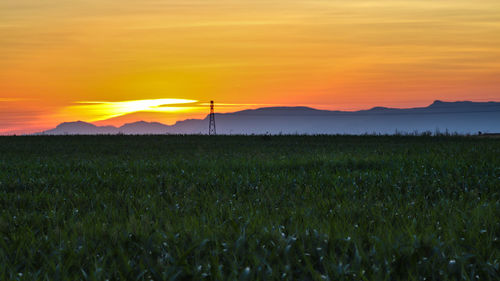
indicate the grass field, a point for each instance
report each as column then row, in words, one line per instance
column 249, row 208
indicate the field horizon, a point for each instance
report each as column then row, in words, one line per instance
column 461, row 117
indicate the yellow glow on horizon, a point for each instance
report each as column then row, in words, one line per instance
column 333, row 54
column 100, row 110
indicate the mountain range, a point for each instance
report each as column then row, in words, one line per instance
column 463, row 117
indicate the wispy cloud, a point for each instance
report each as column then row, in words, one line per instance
column 115, row 56
column 11, row 99
column 101, row 110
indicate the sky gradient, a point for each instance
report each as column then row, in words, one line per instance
column 91, row 60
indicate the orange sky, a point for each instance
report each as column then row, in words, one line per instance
column 59, row 58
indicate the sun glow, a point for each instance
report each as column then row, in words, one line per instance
column 100, row 110
column 337, row 54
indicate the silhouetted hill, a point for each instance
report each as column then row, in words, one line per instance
column 81, row 128
column 141, row 128
column 461, row 117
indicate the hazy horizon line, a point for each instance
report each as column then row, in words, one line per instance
column 95, row 123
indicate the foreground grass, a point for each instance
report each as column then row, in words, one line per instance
column 249, row 208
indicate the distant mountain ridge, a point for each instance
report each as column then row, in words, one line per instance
column 462, row 117
column 84, row 128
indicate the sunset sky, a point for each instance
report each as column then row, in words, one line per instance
column 118, row 61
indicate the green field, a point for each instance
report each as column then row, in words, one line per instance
column 249, row 208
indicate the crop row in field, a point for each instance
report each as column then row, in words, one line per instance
column 249, row 208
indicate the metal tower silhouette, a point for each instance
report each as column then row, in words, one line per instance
column 211, row 125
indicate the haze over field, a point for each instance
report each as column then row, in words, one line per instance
column 457, row 117
column 114, row 62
